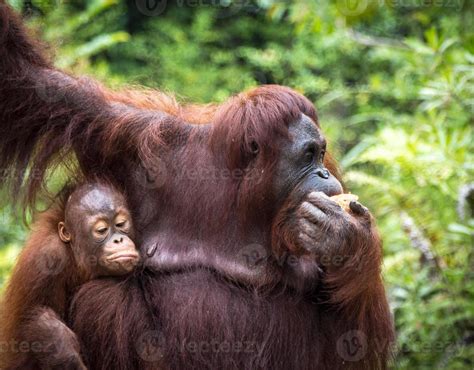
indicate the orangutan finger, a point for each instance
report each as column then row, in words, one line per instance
column 358, row 209
column 313, row 213
column 324, row 203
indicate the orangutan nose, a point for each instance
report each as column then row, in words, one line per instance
column 322, row 172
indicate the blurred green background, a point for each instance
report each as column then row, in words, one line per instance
column 394, row 84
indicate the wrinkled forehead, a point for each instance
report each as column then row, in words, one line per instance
column 305, row 129
column 95, row 200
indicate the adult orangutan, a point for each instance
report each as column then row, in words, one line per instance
column 248, row 264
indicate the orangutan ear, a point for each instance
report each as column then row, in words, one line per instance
column 255, row 148
column 64, row 235
column 249, row 152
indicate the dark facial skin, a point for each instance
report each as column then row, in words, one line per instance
column 318, row 221
column 99, row 229
column 300, row 168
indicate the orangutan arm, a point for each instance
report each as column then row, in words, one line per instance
column 46, row 114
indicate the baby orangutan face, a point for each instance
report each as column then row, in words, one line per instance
column 99, row 229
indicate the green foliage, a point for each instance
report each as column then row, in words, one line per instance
column 394, row 83
column 11, row 236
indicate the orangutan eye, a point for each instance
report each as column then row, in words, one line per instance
column 101, row 230
column 323, row 153
column 309, row 155
column 120, row 224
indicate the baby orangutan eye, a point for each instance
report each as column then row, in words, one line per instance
column 121, row 223
column 101, row 231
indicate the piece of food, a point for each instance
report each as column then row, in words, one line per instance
column 344, row 200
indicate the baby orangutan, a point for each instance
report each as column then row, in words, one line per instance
column 98, row 228
column 91, row 236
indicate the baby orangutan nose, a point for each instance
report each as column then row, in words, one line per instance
column 121, row 258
